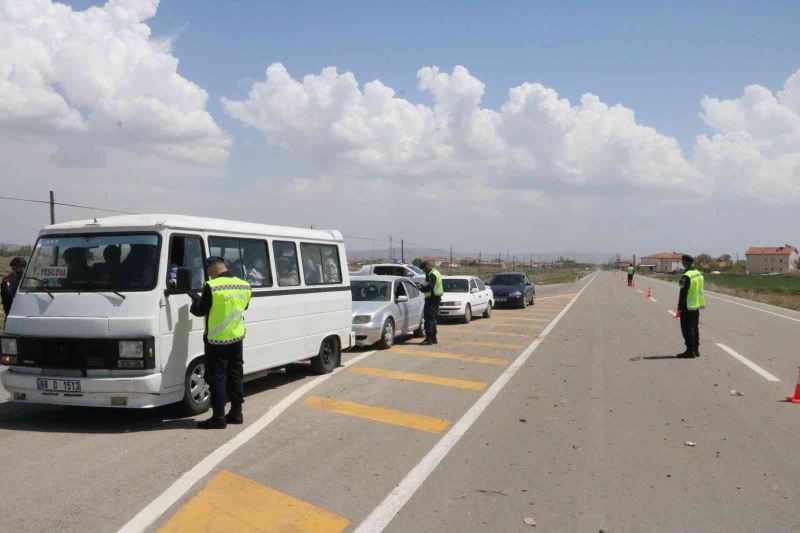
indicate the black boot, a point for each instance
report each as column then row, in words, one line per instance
column 235, row 416
column 688, row 354
column 215, row 422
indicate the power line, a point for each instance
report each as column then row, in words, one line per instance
column 66, row 205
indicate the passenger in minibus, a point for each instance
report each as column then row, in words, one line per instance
column 257, row 276
column 311, row 273
column 108, row 272
column 78, row 270
column 331, row 268
column 287, row 273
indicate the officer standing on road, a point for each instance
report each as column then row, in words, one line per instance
column 631, row 270
column 432, row 289
column 690, row 301
column 223, row 302
column 10, row 283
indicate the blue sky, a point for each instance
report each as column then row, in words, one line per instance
column 543, row 179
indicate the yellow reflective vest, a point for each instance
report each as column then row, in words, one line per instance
column 695, row 297
column 438, row 287
column 230, row 297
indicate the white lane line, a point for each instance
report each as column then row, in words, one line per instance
column 640, row 291
column 653, row 299
column 385, row 512
column 147, row 516
column 673, row 313
column 748, row 363
column 773, row 313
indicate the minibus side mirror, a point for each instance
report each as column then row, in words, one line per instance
column 183, row 280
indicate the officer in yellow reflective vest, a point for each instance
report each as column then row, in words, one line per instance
column 223, row 302
column 631, row 270
column 432, row 289
column 690, row 301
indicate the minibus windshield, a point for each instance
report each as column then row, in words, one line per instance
column 94, row 262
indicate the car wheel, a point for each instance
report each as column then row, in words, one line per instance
column 329, row 357
column 467, row 314
column 420, row 331
column 196, row 393
column 387, row 335
column 488, row 312
column 524, row 303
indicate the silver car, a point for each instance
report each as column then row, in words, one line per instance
column 385, row 307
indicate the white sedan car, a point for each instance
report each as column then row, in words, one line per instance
column 465, row 297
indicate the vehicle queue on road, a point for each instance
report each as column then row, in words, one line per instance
column 101, row 317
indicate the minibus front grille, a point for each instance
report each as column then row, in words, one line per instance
column 81, row 354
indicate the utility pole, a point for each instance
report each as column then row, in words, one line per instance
column 479, row 264
column 402, row 251
column 391, row 251
column 450, row 266
column 52, row 208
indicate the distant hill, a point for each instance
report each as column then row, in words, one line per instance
column 412, row 253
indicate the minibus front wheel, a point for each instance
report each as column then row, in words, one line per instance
column 196, row 395
column 330, row 356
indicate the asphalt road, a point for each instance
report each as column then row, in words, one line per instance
column 573, row 413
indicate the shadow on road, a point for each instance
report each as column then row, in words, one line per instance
column 101, row 420
column 659, row 357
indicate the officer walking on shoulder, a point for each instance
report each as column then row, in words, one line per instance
column 432, row 289
column 10, row 283
column 690, row 301
column 223, row 302
column 631, row 270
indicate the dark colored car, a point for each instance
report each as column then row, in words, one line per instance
column 513, row 289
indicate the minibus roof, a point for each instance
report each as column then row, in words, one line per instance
column 158, row 222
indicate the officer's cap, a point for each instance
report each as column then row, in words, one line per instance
column 686, row 258
column 18, row 262
column 212, row 260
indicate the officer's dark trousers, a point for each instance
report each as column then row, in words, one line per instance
column 690, row 328
column 224, row 373
column 630, row 279
column 431, row 314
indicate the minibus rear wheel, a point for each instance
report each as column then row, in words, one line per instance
column 330, row 356
column 196, row 395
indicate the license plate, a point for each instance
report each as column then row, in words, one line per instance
column 499, row 299
column 58, row 385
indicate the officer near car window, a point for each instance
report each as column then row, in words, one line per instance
column 432, row 289
column 10, row 283
column 690, row 301
column 223, row 302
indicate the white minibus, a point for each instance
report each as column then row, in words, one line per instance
column 102, row 313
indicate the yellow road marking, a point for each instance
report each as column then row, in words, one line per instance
column 418, row 378
column 506, row 325
column 481, row 343
column 486, row 332
column 455, row 357
column 378, row 414
column 531, row 319
column 234, row 503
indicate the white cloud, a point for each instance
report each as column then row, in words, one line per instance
column 536, row 141
column 754, row 152
column 99, row 76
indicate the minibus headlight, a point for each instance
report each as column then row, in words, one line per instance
column 8, row 346
column 131, row 349
column 362, row 319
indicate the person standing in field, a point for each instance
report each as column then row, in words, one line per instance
column 690, row 301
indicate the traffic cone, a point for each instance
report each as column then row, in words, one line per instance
column 796, row 397
column 677, row 315
column 633, row 284
column 649, row 293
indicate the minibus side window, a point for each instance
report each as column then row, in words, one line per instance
column 228, row 249
column 186, row 251
column 320, row 264
column 286, row 263
column 255, row 260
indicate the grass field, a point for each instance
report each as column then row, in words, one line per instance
column 783, row 290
